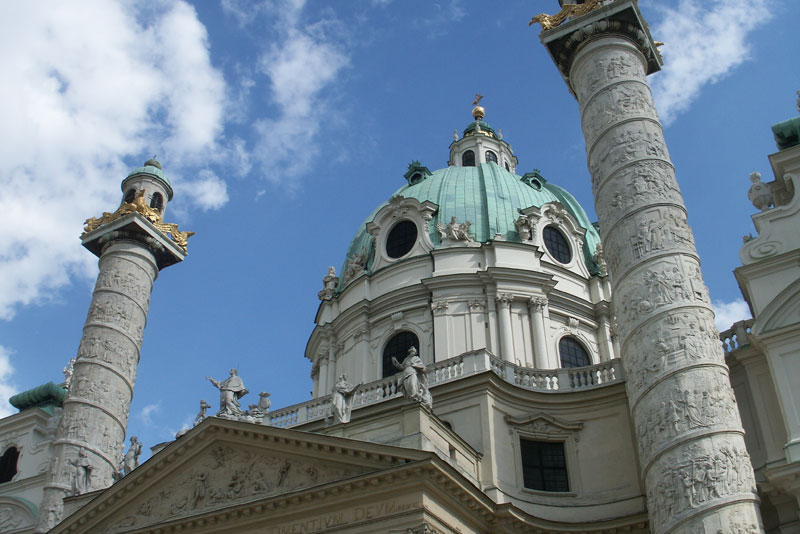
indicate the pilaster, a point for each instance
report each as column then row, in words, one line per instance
column 504, row 301
column 536, row 307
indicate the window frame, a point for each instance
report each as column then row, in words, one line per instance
column 464, row 155
column 386, row 343
column 567, row 242
column 580, row 344
column 541, row 467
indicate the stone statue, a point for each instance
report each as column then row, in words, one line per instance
column 260, row 410
column 329, row 283
column 415, row 385
column 342, row 398
column 230, row 391
column 760, row 194
column 201, row 415
column 82, row 478
column 68, row 370
column 131, row 459
column 455, row 230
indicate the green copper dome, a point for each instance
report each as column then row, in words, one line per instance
column 489, row 197
column 153, row 168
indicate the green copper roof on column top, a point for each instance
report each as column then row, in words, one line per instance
column 787, row 133
column 153, row 168
column 47, row 397
column 489, row 197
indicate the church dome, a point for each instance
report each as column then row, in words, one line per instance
column 489, row 197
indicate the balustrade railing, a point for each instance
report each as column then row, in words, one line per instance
column 544, row 380
column 736, row 336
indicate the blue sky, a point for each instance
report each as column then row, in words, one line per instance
column 282, row 124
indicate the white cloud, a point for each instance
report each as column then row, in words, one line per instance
column 7, row 389
column 300, row 68
column 728, row 313
column 81, row 104
column 208, row 191
column 147, row 412
column 705, row 40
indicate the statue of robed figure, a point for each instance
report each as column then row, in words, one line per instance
column 230, row 391
column 415, row 385
column 342, row 398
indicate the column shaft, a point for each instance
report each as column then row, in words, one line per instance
column 538, row 333
column 690, row 439
column 504, row 301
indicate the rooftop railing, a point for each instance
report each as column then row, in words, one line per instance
column 736, row 336
column 467, row 364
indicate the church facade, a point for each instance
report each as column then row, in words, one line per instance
column 487, row 359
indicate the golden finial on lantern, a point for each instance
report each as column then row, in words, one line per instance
column 478, row 112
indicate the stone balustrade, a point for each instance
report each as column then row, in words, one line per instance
column 467, row 364
column 736, row 336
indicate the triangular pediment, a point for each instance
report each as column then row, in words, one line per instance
column 222, row 463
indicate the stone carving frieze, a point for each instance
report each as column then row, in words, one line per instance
column 104, row 347
column 689, row 402
column 707, row 471
column 611, row 67
column 623, row 145
column 637, row 186
column 120, row 275
column 674, row 281
column 11, row 518
column 226, row 475
column 615, row 104
column 684, row 339
column 650, row 233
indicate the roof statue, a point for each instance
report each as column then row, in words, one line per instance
column 549, row 22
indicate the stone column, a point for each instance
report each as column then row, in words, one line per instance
column 695, row 466
column 504, row 301
column 91, row 432
column 538, row 333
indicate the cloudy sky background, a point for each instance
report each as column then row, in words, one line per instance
column 282, row 124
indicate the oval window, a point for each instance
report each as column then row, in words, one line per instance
column 401, row 239
column 556, row 244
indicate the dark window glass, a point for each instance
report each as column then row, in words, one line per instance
column 157, row 201
column 556, row 244
column 130, row 194
column 8, row 464
column 507, row 167
column 468, row 159
column 491, row 156
column 544, row 466
column 401, row 239
column 397, row 347
column 416, row 178
column 572, row 353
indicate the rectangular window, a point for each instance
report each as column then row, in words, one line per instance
column 544, row 466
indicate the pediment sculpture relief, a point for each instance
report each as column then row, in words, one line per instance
column 223, row 475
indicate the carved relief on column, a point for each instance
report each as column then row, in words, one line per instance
column 647, row 234
column 614, row 104
column 689, row 434
column 657, row 286
column 641, row 184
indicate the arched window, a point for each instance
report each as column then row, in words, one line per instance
column 556, row 244
column 157, row 201
column 397, row 347
column 401, row 239
column 468, row 159
column 507, row 167
column 8, row 464
column 130, row 194
column 572, row 353
column 491, row 156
